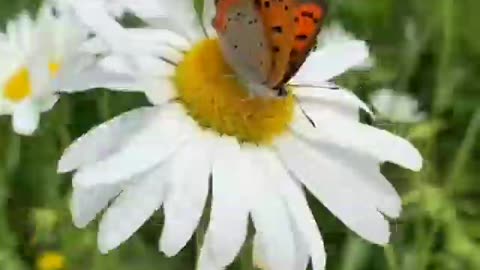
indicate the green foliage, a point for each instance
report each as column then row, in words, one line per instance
column 429, row 48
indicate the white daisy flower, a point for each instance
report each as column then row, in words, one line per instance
column 39, row 56
column 27, row 62
column 396, row 107
column 256, row 155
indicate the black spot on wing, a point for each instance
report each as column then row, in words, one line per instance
column 301, row 37
column 277, row 29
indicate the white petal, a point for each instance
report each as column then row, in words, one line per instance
column 270, row 217
column 149, row 147
column 258, row 254
column 206, row 262
column 143, row 8
column 209, row 11
column 387, row 199
column 336, row 34
column 367, row 169
column 97, row 77
column 187, row 25
column 274, row 233
column 227, row 229
column 82, row 72
column 119, row 39
column 139, row 67
column 116, row 64
column 105, row 139
column 302, row 249
column 380, row 144
column 88, row 202
column 139, row 200
column 19, row 31
column 336, row 186
column 339, row 97
column 309, row 240
column 159, row 37
column 94, row 15
column 304, row 225
column 38, row 70
column 191, row 167
column 314, row 110
column 331, row 61
column 25, row 118
column 46, row 103
column 159, row 91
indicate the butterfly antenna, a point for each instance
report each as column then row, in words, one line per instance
column 168, row 61
column 329, row 87
column 230, row 76
column 309, row 119
column 171, row 46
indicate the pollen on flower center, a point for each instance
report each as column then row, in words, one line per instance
column 218, row 101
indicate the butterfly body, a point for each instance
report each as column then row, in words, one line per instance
column 266, row 41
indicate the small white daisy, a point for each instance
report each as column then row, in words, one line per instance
column 256, row 155
column 26, row 63
column 396, row 107
column 39, row 56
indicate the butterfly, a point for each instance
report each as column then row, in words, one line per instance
column 265, row 42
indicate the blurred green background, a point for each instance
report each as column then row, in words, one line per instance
column 429, row 49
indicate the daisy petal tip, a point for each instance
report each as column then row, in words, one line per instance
column 412, row 160
column 168, row 250
column 417, row 161
column 382, row 239
column 396, row 211
column 78, row 223
column 206, row 262
column 24, row 129
column 103, row 246
column 64, row 165
column 362, row 48
column 81, row 181
column 103, row 250
column 319, row 263
column 377, row 232
column 167, row 253
column 400, row 151
column 106, row 242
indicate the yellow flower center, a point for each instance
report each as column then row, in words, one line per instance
column 54, row 68
column 51, row 261
column 19, row 86
column 218, row 101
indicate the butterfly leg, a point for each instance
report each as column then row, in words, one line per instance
column 282, row 91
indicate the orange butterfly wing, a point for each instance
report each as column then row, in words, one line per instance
column 280, row 33
column 221, row 16
column 308, row 19
column 243, row 40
